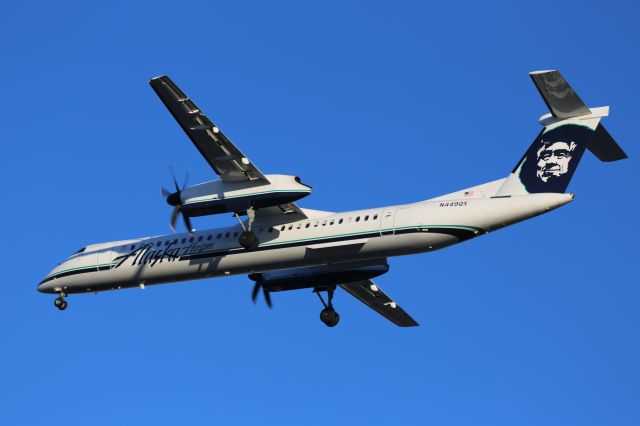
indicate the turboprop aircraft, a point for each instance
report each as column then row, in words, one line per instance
column 283, row 247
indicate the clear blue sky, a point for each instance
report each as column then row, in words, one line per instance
column 372, row 104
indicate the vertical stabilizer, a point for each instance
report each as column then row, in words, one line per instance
column 570, row 128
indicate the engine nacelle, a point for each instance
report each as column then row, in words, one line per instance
column 217, row 197
column 318, row 276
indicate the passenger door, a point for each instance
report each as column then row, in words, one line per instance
column 386, row 221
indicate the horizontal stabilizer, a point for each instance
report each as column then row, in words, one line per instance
column 561, row 99
column 604, row 147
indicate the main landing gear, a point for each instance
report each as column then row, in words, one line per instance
column 328, row 315
column 60, row 303
column 248, row 238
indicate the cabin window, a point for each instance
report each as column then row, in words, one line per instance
column 191, row 239
column 332, row 222
column 200, row 238
column 299, row 226
column 282, row 229
column 235, row 234
column 219, row 236
column 375, row 216
column 133, row 246
column 158, row 243
column 358, row 219
column 290, row 227
column 307, row 225
column 324, row 223
column 175, row 241
column 340, row 221
column 184, row 240
column 227, row 235
column 261, row 229
column 315, row 224
column 366, row 217
column 209, row 237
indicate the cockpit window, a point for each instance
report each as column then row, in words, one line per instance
column 81, row 250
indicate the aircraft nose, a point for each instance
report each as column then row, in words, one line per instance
column 45, row 287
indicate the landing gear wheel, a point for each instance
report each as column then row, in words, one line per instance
column 329, row 317
column 60, row 303
column 249, row 240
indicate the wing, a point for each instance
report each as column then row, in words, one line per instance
column 221, row 154
column 371, row 295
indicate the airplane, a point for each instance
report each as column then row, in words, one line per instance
column 283, row 247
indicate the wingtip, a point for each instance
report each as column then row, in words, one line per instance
column 160, row 77
column 541, row 72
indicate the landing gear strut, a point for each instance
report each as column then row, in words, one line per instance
column 248, row 238
column 60, row 303
column 328, row 315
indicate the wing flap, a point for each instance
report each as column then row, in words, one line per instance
column 372, row 296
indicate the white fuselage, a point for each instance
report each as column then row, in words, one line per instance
column 362, row 235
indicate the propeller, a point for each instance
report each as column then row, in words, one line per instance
column 173, row 198
column 256, row 290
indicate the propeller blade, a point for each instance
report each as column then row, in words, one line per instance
column 267, row 297
column 174, row 218
column 187, row 223
column 254, row 293
column 175, row 200
column 173, row 176
column 186, row 179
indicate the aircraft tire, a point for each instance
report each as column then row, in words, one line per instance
column 249, row 240
column 329, row 317
column 60, row 303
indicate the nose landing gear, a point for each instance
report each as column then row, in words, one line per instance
column 60, row 303
column 328, row 315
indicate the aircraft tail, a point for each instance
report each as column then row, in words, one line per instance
column 570, row 129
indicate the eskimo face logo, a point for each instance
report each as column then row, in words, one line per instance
column 553, row 159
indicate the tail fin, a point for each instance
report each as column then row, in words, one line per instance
column 569, row 129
